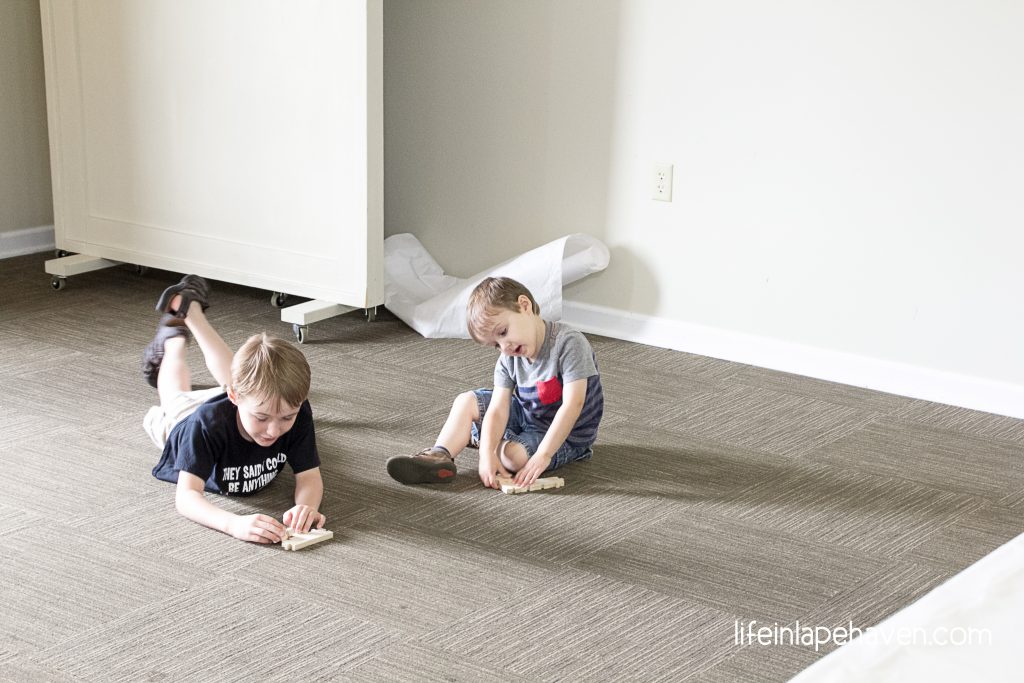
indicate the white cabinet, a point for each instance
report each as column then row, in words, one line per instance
column 238, row 139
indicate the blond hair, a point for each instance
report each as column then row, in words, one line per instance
column 268, row 368
column 490, row 297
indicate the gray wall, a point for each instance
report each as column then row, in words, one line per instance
column 25, row 196
column 847, row 174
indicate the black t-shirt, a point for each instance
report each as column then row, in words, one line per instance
column 209, row 445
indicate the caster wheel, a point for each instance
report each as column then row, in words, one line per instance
column 277, row 299
column 371, row 314
column 58, row 283
column 60, row 253
column 141, row 270
column 300, row 332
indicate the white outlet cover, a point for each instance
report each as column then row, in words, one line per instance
column 662, row 189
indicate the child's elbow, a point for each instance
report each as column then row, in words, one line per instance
column 183, row 499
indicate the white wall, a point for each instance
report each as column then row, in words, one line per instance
column 25, row 200
column 848, row 175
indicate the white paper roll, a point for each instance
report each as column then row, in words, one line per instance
column 434, row 304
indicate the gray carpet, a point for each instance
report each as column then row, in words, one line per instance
column 718, row 493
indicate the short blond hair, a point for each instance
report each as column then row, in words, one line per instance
column 490, row 297
column 268, row 368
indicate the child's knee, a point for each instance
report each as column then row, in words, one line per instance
column 513, row 455
column 466, row 403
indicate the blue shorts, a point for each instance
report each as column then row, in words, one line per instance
column 525, row 434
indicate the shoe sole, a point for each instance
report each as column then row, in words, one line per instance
column 409, row 470
column 153, row 355
column 191, row 288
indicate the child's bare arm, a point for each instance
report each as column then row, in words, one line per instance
column 309, row 491
column 191, row 503
column 573, row 395
column 491, row 432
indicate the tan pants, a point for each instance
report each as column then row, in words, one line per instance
column 160, row 420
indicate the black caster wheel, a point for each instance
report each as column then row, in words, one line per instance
column 371, row 314
column 60, row 253
column 277, row 299
column 141, row 270
column 58, row 283
column 300, row 332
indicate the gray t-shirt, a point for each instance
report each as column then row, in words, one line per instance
column 564, row 357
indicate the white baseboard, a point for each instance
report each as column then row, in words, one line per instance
column 912, row 381
column 26, row 241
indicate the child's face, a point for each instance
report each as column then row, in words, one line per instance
column 264, row 420
column 516, row 333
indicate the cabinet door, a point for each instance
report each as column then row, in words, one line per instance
column 238, row 139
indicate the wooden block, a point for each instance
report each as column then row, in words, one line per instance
column 295, row 541
column 509, row 487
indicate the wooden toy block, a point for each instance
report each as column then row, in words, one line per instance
column 295, row 541
column 508, row 486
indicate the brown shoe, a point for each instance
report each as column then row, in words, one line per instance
column 153, row 356
column 429, row 466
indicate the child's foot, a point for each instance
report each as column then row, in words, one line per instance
column 153, row 356
column 429, row 466
column 176, row 299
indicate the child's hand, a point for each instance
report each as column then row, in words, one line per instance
column 490, row 469
column 534, row 467
column 302, row 518
column 256, row 528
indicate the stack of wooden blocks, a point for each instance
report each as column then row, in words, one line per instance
column 295, row 541
column 509, row 486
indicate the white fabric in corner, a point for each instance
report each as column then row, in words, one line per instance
column 970, row 628
column 434, row 304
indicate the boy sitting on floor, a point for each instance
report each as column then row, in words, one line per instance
column 545, row 407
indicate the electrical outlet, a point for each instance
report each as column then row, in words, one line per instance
column 662, row 182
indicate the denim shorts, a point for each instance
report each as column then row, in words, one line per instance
column 526, row 435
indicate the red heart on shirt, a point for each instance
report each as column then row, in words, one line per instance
column 549, row 391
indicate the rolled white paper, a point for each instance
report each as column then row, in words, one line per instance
column 434, row 304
